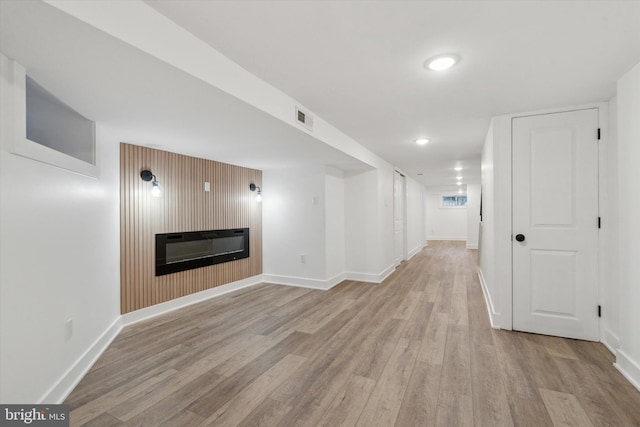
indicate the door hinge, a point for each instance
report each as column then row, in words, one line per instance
column 598, row 133
column 599, row 311
column 599, row 222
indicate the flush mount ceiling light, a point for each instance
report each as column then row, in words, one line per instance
column 441, row 62
column 458, row 178
column 422, row 141
column 457, row 168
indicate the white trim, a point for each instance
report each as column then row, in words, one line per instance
column 59, row 392
column 301, row 282
column 370, row 278
column 628, row 368
column 414, row 251
column 493, row 315
column 21, row 146
column 457, row 239
column 610, row 340
column 472, row 246
column 174, row 304
column 502, row 127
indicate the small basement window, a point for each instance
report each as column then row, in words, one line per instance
column 52, row 123
column 454, row 201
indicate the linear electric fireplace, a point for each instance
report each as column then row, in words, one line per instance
column 185, row 251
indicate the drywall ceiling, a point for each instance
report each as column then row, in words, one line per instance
column 359, row 64
column 144, row 101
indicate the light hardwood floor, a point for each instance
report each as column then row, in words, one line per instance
column 416, row 350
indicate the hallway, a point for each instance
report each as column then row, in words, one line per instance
column 415, row 350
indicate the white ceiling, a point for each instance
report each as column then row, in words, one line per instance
column 142, row 100
column 358, row 64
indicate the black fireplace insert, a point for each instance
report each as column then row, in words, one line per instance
column 185, row 251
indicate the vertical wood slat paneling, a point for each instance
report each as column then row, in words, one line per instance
column 184, row 206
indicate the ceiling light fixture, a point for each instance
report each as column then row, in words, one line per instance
column 422, row 141
column 457, row 168
column 458, row 183
column 442, row 62
column 458, row 178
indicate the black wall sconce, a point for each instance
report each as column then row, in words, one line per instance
column 147, row 175
column 254, row 187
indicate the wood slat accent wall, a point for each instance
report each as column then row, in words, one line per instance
column 184, row 206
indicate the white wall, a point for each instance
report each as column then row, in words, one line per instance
column 293, row 210
column 385, row 258
column 628, row 111
column 495, row 230
column 415, row 216
column 486, row 245
column 361, row 222
column 343, row 236
column 334, row 220
column 473, row 215
column 444, row 223
column 59, row 249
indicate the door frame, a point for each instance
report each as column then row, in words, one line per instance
column 502, row 313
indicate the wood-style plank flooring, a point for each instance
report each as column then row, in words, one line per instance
column 416, row 350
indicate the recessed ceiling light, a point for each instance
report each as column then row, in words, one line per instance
column 459, row 183
column 441, row 62
column 422, row 141
column 458, row 178
column 460, row 191
column 457, row 168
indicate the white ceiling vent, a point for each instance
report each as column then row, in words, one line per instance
column 304, row 118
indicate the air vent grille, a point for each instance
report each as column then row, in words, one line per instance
column 304, row 118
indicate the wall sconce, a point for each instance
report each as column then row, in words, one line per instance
column 254, row 187
column 147, row 175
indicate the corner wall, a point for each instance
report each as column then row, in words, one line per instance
column 444, row 223
column 59, row 260
column 294, row 226
column 628, row 107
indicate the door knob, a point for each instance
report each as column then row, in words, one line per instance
column 520, row 237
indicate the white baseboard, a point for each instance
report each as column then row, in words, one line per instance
column 610, row 340
column 370, row 278
column 493, row 316
column 628, row 367
column 414, row 251
column 174, row 304
column 301, row 282
column 472, row 246
column 59, row 392
column 446, row 238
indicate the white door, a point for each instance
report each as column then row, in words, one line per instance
column 555, row 211
column 398, row 216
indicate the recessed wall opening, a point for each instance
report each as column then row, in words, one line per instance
column 185, row 251
column 52, row 123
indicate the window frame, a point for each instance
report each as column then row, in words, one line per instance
column 456, row 196
column 16, row 123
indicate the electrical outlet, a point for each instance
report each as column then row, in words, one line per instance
column 207, row 186
column 68, row 329
column 303, row 259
